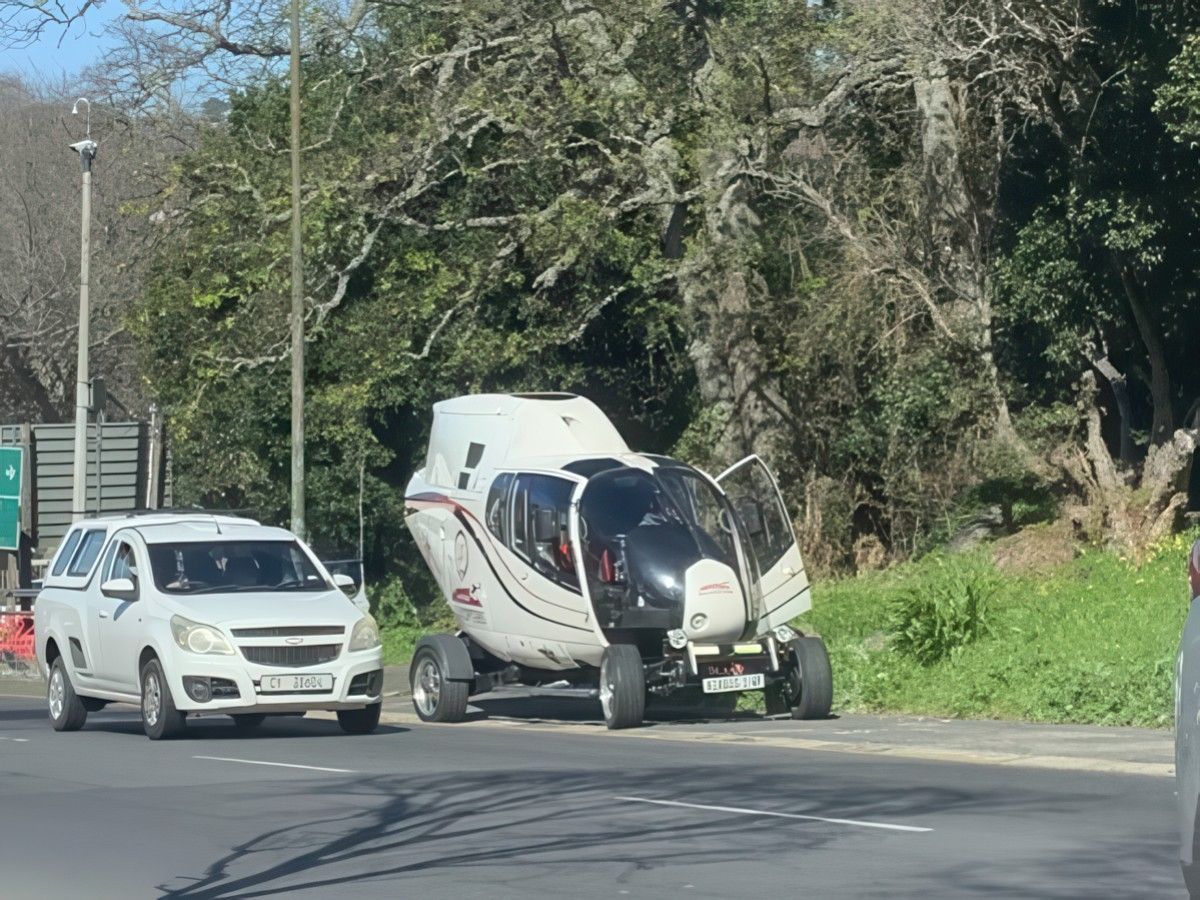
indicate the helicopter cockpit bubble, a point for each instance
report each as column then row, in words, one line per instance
column 643, row 532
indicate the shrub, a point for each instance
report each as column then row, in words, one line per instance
column 940, row 615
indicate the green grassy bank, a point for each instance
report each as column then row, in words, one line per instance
column 1091, row 640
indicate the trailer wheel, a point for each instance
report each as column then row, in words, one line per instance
column 435, row 697
column 807, row 692
column 622, row 686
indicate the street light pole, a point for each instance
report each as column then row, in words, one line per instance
column 297, row 317
column 87, row 153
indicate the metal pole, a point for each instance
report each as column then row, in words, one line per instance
column 87, row 152
column 298, row 524
column 99, row 462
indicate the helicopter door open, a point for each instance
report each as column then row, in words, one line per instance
column 763, row 519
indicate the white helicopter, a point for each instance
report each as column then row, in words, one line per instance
column 577, row 567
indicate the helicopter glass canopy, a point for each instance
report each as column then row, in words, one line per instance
column 639, row 534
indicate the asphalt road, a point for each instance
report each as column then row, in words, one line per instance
column 487, row 810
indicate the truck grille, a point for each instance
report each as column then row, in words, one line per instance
column 288, row 631
column 296, row 657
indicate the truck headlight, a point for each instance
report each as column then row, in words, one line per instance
column 365, row 635
column 197, row 638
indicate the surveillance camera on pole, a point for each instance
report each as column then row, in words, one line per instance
column 87, row 153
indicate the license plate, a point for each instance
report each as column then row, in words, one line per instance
column 733, row 683
column 295, row 684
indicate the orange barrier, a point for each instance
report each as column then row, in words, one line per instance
column 16, row 636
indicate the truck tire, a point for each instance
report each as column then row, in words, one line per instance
column 248, row 723
column 622, row 686
column 160, row 719
column 67, row 712
column 360, row 721
column 436, row 698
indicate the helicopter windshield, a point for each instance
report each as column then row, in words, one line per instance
column 640, row 533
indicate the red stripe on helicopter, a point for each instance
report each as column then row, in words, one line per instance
column 466, row 596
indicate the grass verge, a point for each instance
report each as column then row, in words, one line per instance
column 1091, row 641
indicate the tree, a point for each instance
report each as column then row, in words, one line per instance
column 39, row 250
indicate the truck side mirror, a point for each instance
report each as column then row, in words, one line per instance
column 120, row 589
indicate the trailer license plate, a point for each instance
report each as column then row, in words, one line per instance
column 733, row 683
column 295, row 683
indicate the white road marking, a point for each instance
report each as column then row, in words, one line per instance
column 15, row 740
column 260, row 762
column 778, row 815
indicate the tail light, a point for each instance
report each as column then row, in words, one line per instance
column 1194, row 570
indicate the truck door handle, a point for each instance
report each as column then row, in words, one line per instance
column 103, row 614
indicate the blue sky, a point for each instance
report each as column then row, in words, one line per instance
column 81, row 45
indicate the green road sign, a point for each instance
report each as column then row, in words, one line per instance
column 12, row 465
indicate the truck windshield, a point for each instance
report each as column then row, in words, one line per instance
column 214, row 567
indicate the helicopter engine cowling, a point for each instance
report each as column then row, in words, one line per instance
column 714, row 609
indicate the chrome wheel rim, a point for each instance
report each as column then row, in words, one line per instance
column 151, row 699
column 56, row 694
column 427, row 687
column 607, row 689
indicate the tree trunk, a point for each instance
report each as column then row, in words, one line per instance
column 1120, row 388
column 958, row 231
column 1130, row 519
column 1160, row 377
column 732, row 376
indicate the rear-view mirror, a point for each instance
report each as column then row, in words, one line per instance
column 120, row 589
column 346, row 583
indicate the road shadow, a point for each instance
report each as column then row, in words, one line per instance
column 221, row 728
column 24, row 715
column 508, row 823
column 520, row 829
column 660, row 711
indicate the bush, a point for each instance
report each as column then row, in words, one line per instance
column 402, row 621
column 938, row 617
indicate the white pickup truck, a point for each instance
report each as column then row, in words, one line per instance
column 200, row 613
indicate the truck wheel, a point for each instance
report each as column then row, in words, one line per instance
column 360, row 721
column 813, row 695
column 67, row 712
column 622, row 686
column 246, row 723
column 435, row 697
column 160, row 719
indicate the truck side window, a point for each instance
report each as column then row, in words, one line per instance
column 85, row 555
column 64, row 555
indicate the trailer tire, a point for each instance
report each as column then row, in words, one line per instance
column 806, row 692
column 816, row 679
column 436, row 696
column 622, row 686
